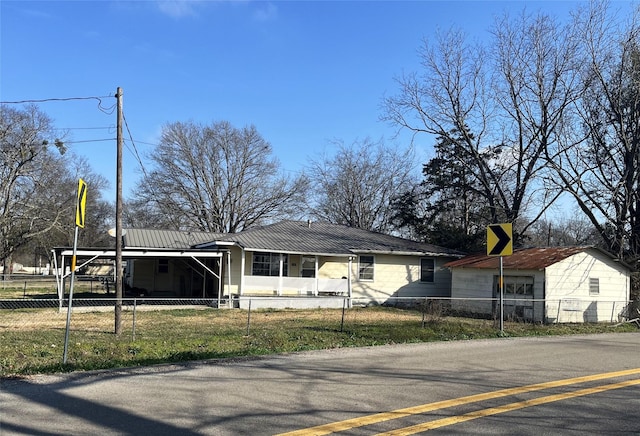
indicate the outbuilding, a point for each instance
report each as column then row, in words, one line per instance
column 550, row 285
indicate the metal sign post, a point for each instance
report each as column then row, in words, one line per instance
column 501, row 297
column 500, row 243
column 80, row 214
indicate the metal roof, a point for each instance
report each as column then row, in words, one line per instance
column 525, row 258
column 328, row 239
column 299, row 237
column 172, row 239
column 129, row 253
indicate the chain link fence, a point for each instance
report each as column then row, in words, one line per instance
column 19, row 313
column 34, row 296
column 33, row 328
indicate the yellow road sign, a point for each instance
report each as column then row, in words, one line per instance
column 500, row 239
column 81, row 203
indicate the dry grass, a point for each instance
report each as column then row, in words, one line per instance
column 31, row 340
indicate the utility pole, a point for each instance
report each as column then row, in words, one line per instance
column 118, row 266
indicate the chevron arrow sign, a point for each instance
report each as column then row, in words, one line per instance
column 500, row 239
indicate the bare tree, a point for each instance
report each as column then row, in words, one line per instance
column 356, row 186
column 217, row 178
column 26, row 163
column 558, row 232
column 56, row 195
column 599, row 165
column 501, row 106
column 62, row 189
column 139, row 213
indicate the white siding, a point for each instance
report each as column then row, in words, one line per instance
column 567, row 290
column 472, row 290
column 399, row 276
column 333, row 267
column 394, row 276
column 563, row 289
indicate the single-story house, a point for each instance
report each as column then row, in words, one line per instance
column 308, row 262
column 550, row 285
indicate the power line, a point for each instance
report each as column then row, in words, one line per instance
column 89, row 140
column 104, row 109
column 148, row 143
column 135, row 149
column 43, row 100
column 85, row 128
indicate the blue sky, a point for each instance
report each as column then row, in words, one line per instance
column 303, row 72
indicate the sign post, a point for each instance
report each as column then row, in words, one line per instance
column 81, row 203
column 500, row 243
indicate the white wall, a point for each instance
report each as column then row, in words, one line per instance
column 399, row 276
column 471, row 289
column 564, row 287
column 567, row 289
column 394, row 276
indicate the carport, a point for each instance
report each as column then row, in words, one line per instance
column 195, row 260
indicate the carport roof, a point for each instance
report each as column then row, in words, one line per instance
column 169, row 239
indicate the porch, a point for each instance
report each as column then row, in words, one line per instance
column 294, row 286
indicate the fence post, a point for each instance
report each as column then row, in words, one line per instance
column 344, row 304
column 558, row 314
column 133, row 330
column 249, row 317
column 424, row 311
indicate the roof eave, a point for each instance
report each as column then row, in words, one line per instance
column 406, row 253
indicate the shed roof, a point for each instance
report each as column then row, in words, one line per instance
column 525, row 258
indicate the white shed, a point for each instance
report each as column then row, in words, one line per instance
column 550, row 285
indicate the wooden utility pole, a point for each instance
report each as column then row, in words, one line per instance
column 118, row 266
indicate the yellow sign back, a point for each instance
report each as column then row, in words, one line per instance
column 81, row 203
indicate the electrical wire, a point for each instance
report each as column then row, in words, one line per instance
column 89, row 140
column 43, row 100
column 104, row 109
column 135, row 149
column 85, row 128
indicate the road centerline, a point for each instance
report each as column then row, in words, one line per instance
column 376, row 418
column 431, row 425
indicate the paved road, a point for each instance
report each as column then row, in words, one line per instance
column 493, row 387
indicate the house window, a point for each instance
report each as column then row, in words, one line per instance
column 365, row 267
column 427, row 270
column 163, row 266
column 518, row 285
column 268, row 264
column 594, row 286
column 308, row 267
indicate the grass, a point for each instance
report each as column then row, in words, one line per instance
column 32, row 340
column 30, row 290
